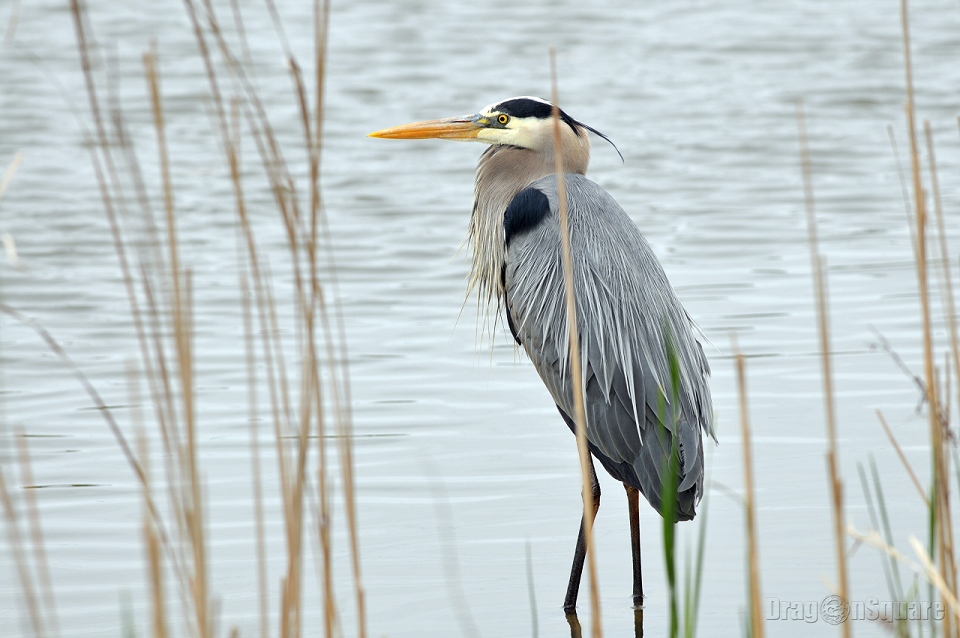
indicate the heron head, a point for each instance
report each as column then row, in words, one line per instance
column 524, row 122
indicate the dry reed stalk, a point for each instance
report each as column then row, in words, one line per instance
column 292, row 471
column 191, row 499
column 190, row 565
column 266, row 310
column 941, row 504
column 40, row 562
column 35, row 598
column 580, row 417
column 308, row 307
column 102, row 409
column 155, row 564
column 343, row 412
column 820, row 284
column 925, row 567
column 324, row 518
column 30, row 595
column 946, row 281
column 111, row 195
column 275, row 377
column 303, row 242
column 172, row 386
column 12, row 24
column 152, row 542
column 256, row 475
column 904, row 191
column 339, row 375
column 9, row 245
column 149, row 340
column 947, row 558
column 78, row 374
column 903, row 458
column 344, row 423
column 936, row 579
column 101, row 172
column 164, row 539
column 11, row 170
column 311, row 383
column 753, row 548
column 26, row 581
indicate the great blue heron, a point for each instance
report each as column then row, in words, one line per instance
column 644, row 372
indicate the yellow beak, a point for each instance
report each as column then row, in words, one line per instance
column 464, row 127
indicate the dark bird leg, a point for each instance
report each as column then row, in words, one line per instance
column 633, row 504
column 580, row 554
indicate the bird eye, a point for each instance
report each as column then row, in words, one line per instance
column 503, row 119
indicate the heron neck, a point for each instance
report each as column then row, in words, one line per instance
column 502, row 172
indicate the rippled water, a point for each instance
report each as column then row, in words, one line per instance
column 462, row 462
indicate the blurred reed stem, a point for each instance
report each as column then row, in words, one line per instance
column 749, row 505
column 579, row 416
column 947, row 559
column 160, row 293
column 823, row 324
column 37, row 601
column 941, row 523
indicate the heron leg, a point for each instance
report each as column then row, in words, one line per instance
column 580, row 554
column 575, row 630
column 633, row 504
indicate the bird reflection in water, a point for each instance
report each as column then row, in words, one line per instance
column 577, row 632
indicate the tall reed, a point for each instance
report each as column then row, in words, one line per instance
column 755, row 601
column 579, row 416
column 160, row 292
column 941, row 531
column 936, row 562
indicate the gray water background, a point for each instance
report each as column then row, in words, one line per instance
column 461, row 460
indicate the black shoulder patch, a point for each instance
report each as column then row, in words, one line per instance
column 526, row 211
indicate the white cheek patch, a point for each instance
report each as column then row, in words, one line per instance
column 518, row 132
column 492, row 135
column 525, row 131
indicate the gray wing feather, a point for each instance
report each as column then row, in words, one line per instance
column 629, row 319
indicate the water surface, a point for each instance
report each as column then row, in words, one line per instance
column 461, row 460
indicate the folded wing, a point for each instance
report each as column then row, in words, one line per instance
column 644, row 373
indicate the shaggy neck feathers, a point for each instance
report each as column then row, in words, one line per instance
column 502, row 172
